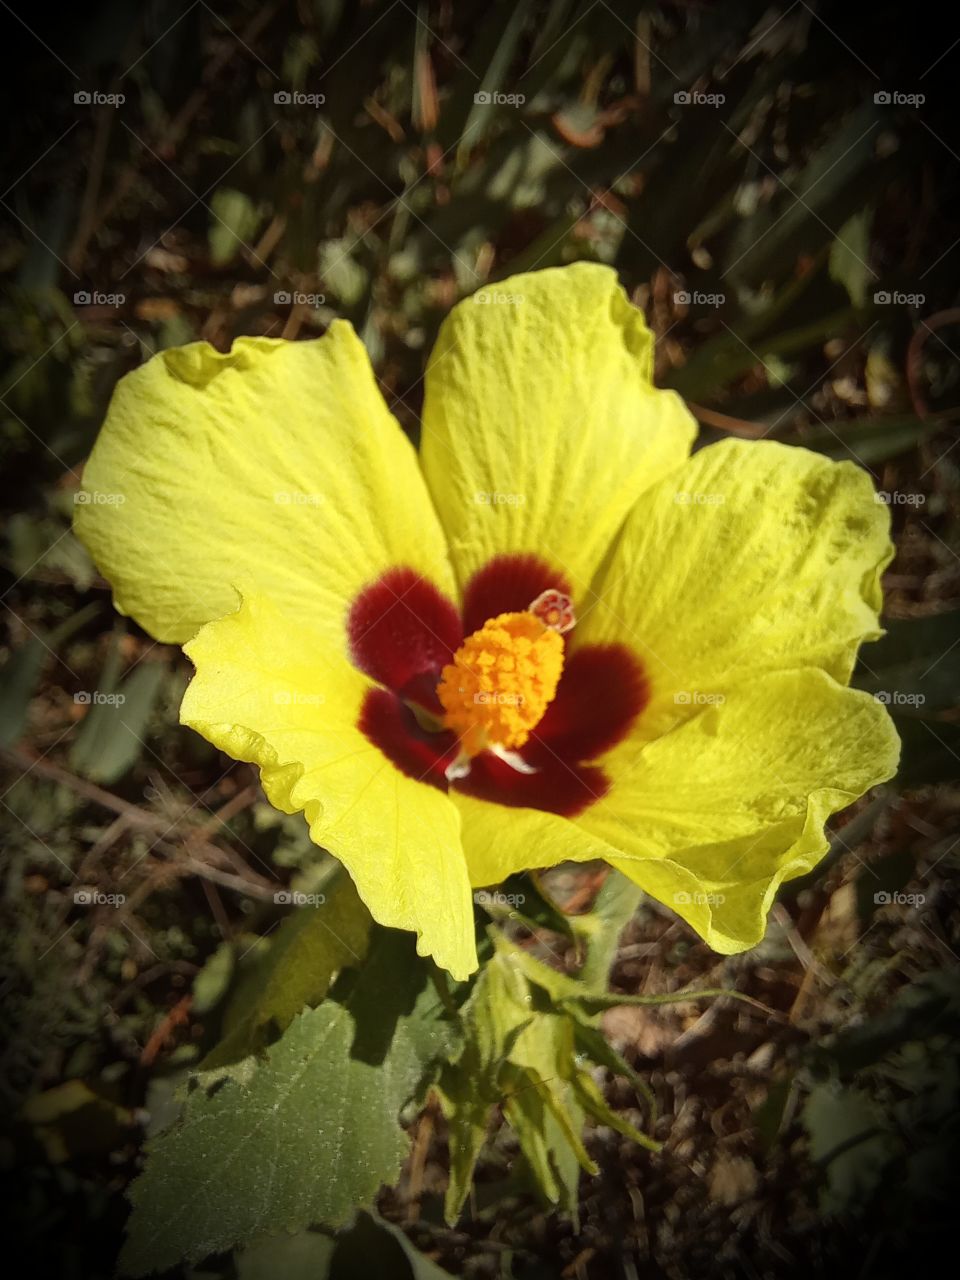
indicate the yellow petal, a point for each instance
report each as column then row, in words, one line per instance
column 500, row 841
column 711, row 818
column 270, row 690
column 754, row 557
column 276, row 468
column 540, row 423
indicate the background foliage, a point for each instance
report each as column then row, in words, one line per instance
column 794, row 246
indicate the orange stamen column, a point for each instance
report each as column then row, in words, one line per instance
column 501, row 681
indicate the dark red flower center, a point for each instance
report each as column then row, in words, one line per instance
column 402, row 631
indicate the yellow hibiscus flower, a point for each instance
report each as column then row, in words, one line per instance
column 551, row 635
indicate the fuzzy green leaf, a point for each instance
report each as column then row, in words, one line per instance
column 303, row 1136
column 296, row 969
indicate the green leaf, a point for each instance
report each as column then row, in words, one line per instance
column 43, row 546
column 544, row 1137
column 494, row 80
column 521, row 1044
column 800, row 220
column 865, row 440
column 850, row 254
column 599, row 928
column 913, row 665
column 591, row 1040
column 726, row 357
column 877, row 882
column 111, row 736
column 771, row 1117
column 342, row 275
column 70, row 1121
column 930, row 750
column 371, row 1247
column 303, row 1136
column 559, row 986
column 469, row 1089
column 544, row 1051
column 374, row 1247
column 565, row 1166
column 463, row 1099
column 18, row 683
column 540, row 911
column 211, row 983
column 592, row 1100
column 929, row 1007
column 21, row 673
column 308, row 1255
column 547, row 1049
column 235, row 220
column 299, row 57
column 296, row 969
column 847, row 1138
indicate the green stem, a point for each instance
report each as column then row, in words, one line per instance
column 595, row 1003
column 438, row 977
